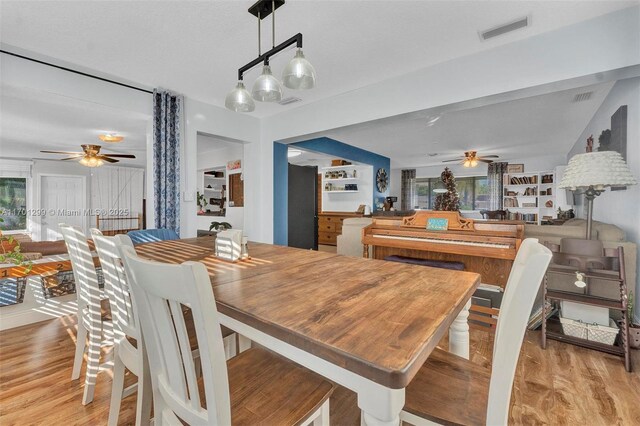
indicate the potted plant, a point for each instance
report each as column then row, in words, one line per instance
column 634, row 329
column 202, row 202
column 10, row 251
column 219, row 226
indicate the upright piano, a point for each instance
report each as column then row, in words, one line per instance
column 487, row 247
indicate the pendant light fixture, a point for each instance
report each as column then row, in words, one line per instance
column 298, row 74
column 239, row 99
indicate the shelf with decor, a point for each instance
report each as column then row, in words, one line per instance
column 584, row 326
column 529, row 196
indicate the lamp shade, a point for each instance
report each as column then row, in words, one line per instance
column 597, row 169
column 239, row 99
column 267, row 88
column 299, row 73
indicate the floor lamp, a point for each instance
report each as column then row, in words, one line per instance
column 592, row 172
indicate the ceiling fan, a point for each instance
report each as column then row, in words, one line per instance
column 91, row 156
column 471, row 159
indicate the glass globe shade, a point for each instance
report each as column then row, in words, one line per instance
column 267, row 88
column 239, row 99
column 299, row 73
column 91, row 162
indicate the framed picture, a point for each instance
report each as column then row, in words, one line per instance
column 234, row 165
column 515, row 168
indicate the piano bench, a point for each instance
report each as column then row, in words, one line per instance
column 457, row 266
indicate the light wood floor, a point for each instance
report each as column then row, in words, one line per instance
column 561, row 385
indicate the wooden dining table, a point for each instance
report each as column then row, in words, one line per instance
column 366, row 324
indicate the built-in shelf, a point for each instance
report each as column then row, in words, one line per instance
column 341, row 180
column 530, row 214
column 339, row 167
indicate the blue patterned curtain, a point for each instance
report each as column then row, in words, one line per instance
column 167, row 113
column 496, row 188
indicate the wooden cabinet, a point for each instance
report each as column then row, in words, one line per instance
column 330, row 226
column 236, row 190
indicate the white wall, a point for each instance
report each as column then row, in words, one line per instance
column 619, row 208
column 573, row 56
column 349, row 202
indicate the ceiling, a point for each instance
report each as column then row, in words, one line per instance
column 34, row 120
column 196, row 47
column 529, row 127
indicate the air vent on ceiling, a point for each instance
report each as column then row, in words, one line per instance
column 581, row 97
column 505, row 28
column 289, row 100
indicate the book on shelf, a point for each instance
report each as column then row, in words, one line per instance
column 547, row 178
column 510, row 202
column 523, row 180
column 526, row 217
column 535, row 320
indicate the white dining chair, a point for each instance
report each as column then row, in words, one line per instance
column 254, row 387
column 449, row 389
column 91, row 327
column 126, row 330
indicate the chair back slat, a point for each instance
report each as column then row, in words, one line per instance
column 523, row 284
column 160, row 291
column 84, row 272
column 115, row 282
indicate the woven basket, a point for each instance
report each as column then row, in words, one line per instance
column 602, row 333
column 574, row 328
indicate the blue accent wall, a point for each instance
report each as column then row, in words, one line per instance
column 280, row 194
column 326, row 146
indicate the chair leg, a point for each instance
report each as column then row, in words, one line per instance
column 93, row 364
column 117, row 388
column 81, row 342
column 323, row 418
column 145, row 400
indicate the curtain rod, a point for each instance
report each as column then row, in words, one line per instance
column 75, row 71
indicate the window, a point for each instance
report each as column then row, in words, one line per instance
column 473, row 192
column 13, row 203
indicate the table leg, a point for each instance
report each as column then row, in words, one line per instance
column 243, row 343
column 459, row 333
column 380, row 406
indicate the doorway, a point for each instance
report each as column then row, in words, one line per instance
column 302, row 206
column 62, row 200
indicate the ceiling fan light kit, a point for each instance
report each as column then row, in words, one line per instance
column 91, row 157
column 111, row 138
column 472, row 159
column 299, row 74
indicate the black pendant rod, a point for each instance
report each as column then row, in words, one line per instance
column 74, row 71
column 264, row 58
